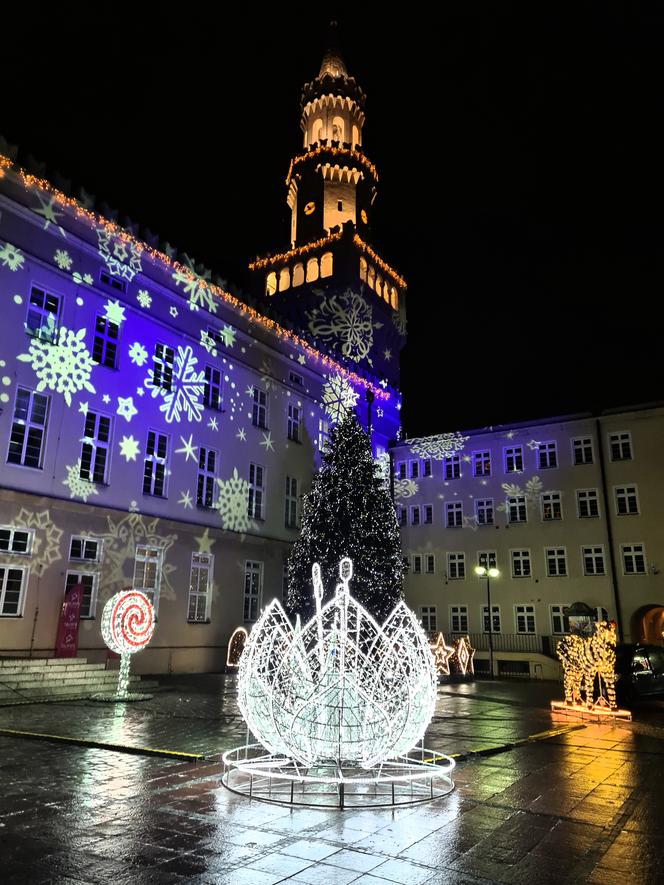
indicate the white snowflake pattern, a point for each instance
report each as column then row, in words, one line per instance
column 208, row 342
column 186, row 500
column 138, row 354
column 188, row 385
column 144, row 298
column 115, row 312
column 121, row 254
column 63, row 259
column 228, row 336
column 346, row 321
column 129, row 448
column 405, row 488
column 49, row 213
column 267, row 376
column 78, row 487
column 438, row 447
column 64, row 367
column 338, row 397
column 46, row 540
column 233, row 503
column 12, row 257
column 85, row 278
column 196, row 287
column 532, row 491
column 126, row 408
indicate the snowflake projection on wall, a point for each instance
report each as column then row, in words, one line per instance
column 228, row 335
column 438, row 447
column 121, row 255
column 115, row 312
column 129, row 448
column 46, row 540
column 382, row 465
column 64, row 367
column 399, row 320
column 208, row 342
column 345, row 321
column 11, row 257
column 531, row 491
column 267, row 375
column 47, row 209
column 138, row 354
column 405, row 488
column 144, row 298
column 126, row 408
column 188, row 385
column 63, row 259
column 85, row 278
column 233, row 503
column 338, row 397
column 78, row 487
column 196, row 287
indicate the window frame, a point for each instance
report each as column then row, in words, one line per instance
column 94, row 591
column 291, row 500
column 294, row 422
column 206, row 477
column 456, row 561
column 546, row 448
column 583, row 440
column 484, row 618
column 516, row 555
column 528, row 611
column 197, row 594
column 594, row 554
column 627, row 497
column 106, row 341
column 159, row 564
column 620, row 442
column 42, row 312
column 481, row 457
column 156, row 460
column 85, row 539
column 13, row 529
column 553, row 554
column 26, row 425
column 25, row 578
column 587, row 499
column 97, row 446
column 426, row 613
column 557, row 500
column 252, row 567
column 632, row 546
column 256, row 492
column 259, row 409
column 455, row 508
column 460, row 611
column 513, row 452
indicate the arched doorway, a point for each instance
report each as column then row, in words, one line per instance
column 647, row 625
column 236, row 647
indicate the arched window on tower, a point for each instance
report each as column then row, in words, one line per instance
column 356, row 137
column 312, row 270
column 363, row 268
column 337, row 129
column 379, row 285
column 298, row 274
column 394, row 298
column 284, row 279
column 271, row 283
column 371, row 276
column 317, row 130
column 326, row 264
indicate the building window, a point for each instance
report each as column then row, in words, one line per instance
column 415, row 515
column 516, row 508
column 94, row 451
column 524, row 616
column 482, row 463
column 212, row 389
column 402, row 515
column 428, row 514
column 200, row 587
column 458, row 619
column 559, row 619
column 156, row 460
column 454, row 514
column 294, row 417
column 427, row 467
column 259, row 411
column 162, row 366
column 513, row 459
column 520, row 563
column 256, row 491
column 593, row 560
column 294, row 378
column 620, row 445
column 323, row 434
column 16, row 540
column 556, row 562
column 113, row 282
column 582, row 450
column 253, row 589
column 452, row 467
column 627, row 501
column 291, row 502
column 26, row 443
column 147, row 572
column 414, row 469
column 207, row 474
column 456, row 566
column 552, row 507
column 547, row 455
column 417, row 563
column 495, row 618
column 587, row 503
column 105, row 345
column 88, row 581
column 43, row 315
column 84, row 549
column 401, row 470
column 428, row 618
column 430, row 564
column 12, row 585
column 484, row 511
column 634, row 559
column 487, row 559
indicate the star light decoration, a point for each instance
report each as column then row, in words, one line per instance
column 442, row 653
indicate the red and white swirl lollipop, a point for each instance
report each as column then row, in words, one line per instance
column 127, row 622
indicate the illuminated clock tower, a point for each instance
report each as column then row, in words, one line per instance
column 330, row 284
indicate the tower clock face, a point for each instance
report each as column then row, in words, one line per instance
column 364, row 216
column 309, row 208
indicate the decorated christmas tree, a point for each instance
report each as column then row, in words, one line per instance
column 348, row 512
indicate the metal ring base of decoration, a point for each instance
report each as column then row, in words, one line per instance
column 418, row 777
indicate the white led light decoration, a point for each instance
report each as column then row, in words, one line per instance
column 127, row 625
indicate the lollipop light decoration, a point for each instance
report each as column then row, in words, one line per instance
column 127, row 625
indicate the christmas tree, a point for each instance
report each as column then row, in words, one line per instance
column 348, row 512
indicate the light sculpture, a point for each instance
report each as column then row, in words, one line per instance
column 236, row 646
column 462, row 659
column 442, row 652
column 127, row 625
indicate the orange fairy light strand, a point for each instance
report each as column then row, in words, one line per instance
column 294, row 253
column 335, row 152
column 379, row 261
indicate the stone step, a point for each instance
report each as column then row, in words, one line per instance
column 70, row 692
column 46, row 684
column 41, row 662
column 48, row 672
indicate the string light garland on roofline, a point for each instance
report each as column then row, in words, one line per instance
column 30, row 181
column 379, row 261
column 335, row 152
column 293, row 253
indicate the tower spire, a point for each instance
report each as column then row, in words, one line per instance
column 333, row 64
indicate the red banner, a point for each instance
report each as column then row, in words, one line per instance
column 66, row 643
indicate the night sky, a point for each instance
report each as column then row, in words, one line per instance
column 519, row 150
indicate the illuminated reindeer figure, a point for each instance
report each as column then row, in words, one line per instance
column 590, row 661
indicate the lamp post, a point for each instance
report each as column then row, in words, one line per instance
column 487, row 569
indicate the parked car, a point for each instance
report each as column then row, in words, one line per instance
column 639, row 672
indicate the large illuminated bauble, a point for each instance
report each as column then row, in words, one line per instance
column 342, row 688
column 127, row 622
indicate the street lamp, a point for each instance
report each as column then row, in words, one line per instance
column 487, row 569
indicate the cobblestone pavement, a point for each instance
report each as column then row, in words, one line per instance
column 586, row 806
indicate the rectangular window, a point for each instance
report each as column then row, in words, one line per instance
column 520, row 563
column 452, row 467
column 402, row 515
column 323, row 434
column 253, row 589
column 428, row 514
column 200, row 587
column 43, row 315
column 430, row 563
column 259, row 410
column 256, row 491
column 593, row 560
column 212, row 389
column 487, row 558
column 401, row 470
column 415, row 516
column 162, row 366
column 454, row 514
column 620, row 445
column 113, row 282
column 482, row 463
column 582, row 450
column 458, row 619
column 516, row 508
column 88, row 580
column 156, row 462
column 12, row 587
column 84, row 549
column 524, row 616
column 495, row 618
column 294, row 418
column 414, row 469
column 456, row 566
column 427, row 467
column 291, row 502
column 552, row 507
column 16, row 540
column 547, row 455
column 417, row 563
column 207, row 474
column 147, row 572
column 556, row 562
column 294, row 378
column 513, row 456
column 634, row 559
column 105, row 345
column 587, row 503
column 94, row 450
column 627, row 500
column 559, row 619
column 428, row 618
column 26, row 443
column 484, row 511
